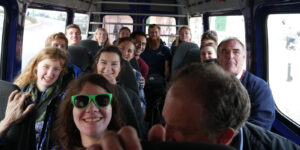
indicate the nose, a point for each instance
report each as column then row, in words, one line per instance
column 51, row 72
column 107, row 68
column 92, row 107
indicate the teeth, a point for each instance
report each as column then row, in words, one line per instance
column 92, row 119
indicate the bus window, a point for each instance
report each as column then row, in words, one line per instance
column 39, row 24
column 167, row 33
column 113, row 23
column 1, row 27
column 82, row 21
column 196, row 28
column 284, row 53
column 228, row 26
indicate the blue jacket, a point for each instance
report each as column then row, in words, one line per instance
column 262, row 101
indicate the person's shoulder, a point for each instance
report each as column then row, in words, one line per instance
column 260, row 138
column 253, row 78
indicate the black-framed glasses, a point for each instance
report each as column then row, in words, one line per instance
column 82, row 101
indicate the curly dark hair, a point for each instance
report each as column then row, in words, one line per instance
column 67, row 133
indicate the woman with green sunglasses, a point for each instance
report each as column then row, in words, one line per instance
column 89, row 108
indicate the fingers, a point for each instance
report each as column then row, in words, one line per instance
column 157, row 133
column 23, row 98
column 110, row 141
column 28, row 109
column 12, row 95
column 129, row 138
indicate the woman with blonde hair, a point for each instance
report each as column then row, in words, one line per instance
column 185, row 35
column 40, row 84
column 101, row 36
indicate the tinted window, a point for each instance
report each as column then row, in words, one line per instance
column 82, row 20
column 197, row 29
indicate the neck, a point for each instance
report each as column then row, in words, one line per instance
column 41, row 88
column 114, row 81
column 137, row 57
column 87, row 141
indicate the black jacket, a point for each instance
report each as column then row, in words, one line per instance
column 257, row 138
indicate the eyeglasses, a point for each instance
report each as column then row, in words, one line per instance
column 82, row 101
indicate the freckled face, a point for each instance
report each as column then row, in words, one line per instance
column 48, row 71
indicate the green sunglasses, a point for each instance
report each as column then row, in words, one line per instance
column 82, row 101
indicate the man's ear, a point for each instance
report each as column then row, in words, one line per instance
column 226, row 136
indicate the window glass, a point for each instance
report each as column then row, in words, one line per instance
column 284, row 62
column 113, row 29
column 82, row 21
column 197, row 29
column 1, row 27
column 228, row 26
column 39, row 24
column 167, row 33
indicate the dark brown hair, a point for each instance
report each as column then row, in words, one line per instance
column 67, row 133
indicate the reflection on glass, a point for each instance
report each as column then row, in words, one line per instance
column 82, row 21
column 113, row 29
column 197, row 29
column 228, row 26
column 284, row 53
column 167, row 33
column 39, row 24
column 1, row 26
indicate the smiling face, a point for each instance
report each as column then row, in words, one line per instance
column 231, row 56
column 109, row 65
column 207, row 52
column 92, row 121
column 127, row 49
column 140, row 44
column 185, row 35
column 47, row 71
column 73, row 35
column 154, row 33
column 101, row 37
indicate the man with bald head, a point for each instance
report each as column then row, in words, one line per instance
column 231, row 56
column 204, row 104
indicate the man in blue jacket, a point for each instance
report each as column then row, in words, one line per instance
column 231, row 56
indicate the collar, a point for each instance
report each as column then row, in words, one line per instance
column 240, row 74
column 238, row 141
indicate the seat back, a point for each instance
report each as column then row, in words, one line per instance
column 127, row 77
column 91, row 45
column 80, row 57
column 180, row 52
column 193, row 55
column 5, row 89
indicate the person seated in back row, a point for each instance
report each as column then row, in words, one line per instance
column 101, row 36
column 210, row 37
column 124, row 32
column 184, row 35
column 73, row 34
column 204, row 104
column 208, row 53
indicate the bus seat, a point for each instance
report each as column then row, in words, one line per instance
column 91, row 45
column 134, row 64
column 80, row 57
column 180, row 52
column 127, row 77
column 5, row 89
column 193, row 55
